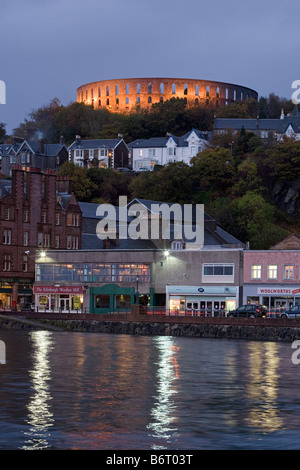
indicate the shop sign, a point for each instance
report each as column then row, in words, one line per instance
column 57, row 289
column 279, row 290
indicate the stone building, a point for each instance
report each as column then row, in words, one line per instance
column 101, row 153
column 37, row 212
column 123, row 95
column 30, row 154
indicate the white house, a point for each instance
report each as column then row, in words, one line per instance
column 146, row 153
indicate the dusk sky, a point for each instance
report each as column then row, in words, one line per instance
column 50, row 47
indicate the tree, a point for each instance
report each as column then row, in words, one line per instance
column 2, row 132
column 216, row 166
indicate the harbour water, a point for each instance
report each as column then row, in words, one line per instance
column 63, row 390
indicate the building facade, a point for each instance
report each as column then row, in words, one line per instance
column 111, row 274
column 100, row 281
column 29, row 154
column 123, row 95
column 99, row 153
column 268, row 130
column 36, row 214
column 146, row 153
column 272, row 277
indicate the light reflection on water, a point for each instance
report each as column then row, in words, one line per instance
column 93, row 391
column 40, row 416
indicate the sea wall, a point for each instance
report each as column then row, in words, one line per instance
column 229, row 331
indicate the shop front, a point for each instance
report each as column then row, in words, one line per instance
column 115, row 298
column 58, row 298
column 201, row 300
column 276, row 297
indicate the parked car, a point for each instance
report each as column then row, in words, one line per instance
column 294, row 312
column 143, row 169
column 125, row 170
column 249, row 310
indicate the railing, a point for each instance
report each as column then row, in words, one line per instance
column 157, row 311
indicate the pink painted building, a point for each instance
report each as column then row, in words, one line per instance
column 272, row 277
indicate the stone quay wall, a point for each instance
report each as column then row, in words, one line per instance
column 235, row 329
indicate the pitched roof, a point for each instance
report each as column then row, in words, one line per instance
column 95, row 143
column 277, row 125
column 181, row 141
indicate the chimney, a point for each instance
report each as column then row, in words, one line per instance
column 61, row 140
column 77, row 139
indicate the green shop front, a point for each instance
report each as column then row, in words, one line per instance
column 116, row 298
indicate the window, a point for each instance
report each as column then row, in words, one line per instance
column 25, row 263
column 6, row 213
column 151, row 152
column 6, row 237
column 69, row 219
column 217, row 269
column 6, row 262
column 185, row 90
column 272, row 271
column 149, row 89
column 102, row 301
column 138, row 88
column 197, row 90
column 173, row 89
column 161, row 89
column 69, row 242
column 91, row 154
column 288, row 272
column 25, row 215
column 123, row 301
column 25, row 238
column 256, row 271
column 127, row 89
column 40, row 239
column 56, row 241
column 57, row 218
column 44, row 217
column 107, row 91
column 46, row 240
